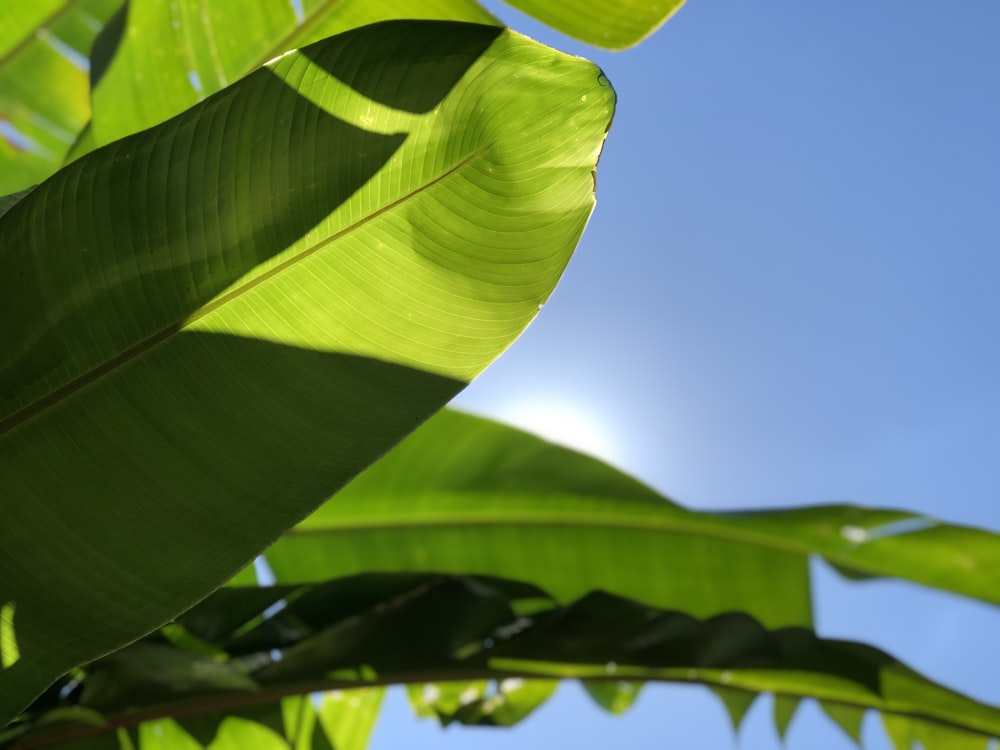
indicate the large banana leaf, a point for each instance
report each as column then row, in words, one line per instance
column 234, row 652
column 466, row 495
column 213, row 325
column 44, row 84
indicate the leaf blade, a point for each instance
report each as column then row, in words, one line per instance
column 381, row 629
column 165, row 418
column 187, row 53
column 465, row 495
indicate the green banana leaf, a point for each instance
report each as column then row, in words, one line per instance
column 184, row 52
column 613, row 24
column 216, row 323
column 44, row 83
column 496, row 637
column 466, row 495
column 153, row 59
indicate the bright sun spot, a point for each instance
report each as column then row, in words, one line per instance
column 564, row 424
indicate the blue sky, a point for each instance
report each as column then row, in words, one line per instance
column 787, row 295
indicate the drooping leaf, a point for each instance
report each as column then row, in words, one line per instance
column 848, row 718
column 513, row 699
column 785, row 707
column 465, row 495
column 214, row 324
column 44, row 83
column 348, row 716
column 239, row 734
column 208, row 726
column 614, row 697
column 873, row 542
column 900, row 731
column 737, row 704
column 400, row 628
column 615, row 24
column 302, row 730
column 442, row 701
column 907, row 733
column 167, row 734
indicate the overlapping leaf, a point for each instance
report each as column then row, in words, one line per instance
column 465, row 495
column 422, row 630
column 214, row 324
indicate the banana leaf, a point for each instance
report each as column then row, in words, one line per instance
column 166, row 56
column 77, row 74
column 614, row 24
column 214, row 324
column 503, row 641
column 465, row 495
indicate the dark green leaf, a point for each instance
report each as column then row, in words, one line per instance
column 436, row 629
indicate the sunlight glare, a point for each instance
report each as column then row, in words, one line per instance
column 564, row 423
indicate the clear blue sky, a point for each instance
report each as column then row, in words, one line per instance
column 789, row 294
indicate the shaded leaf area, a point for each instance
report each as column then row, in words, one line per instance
column 44, row 83
column 214, row 324
column 8, row 201
column 472, row 649
column 467, row 495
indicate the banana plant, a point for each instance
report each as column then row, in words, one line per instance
column 240, row 268
column 217, row 322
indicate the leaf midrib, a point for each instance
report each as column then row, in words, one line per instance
column 12, row 421
column 690, row 525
